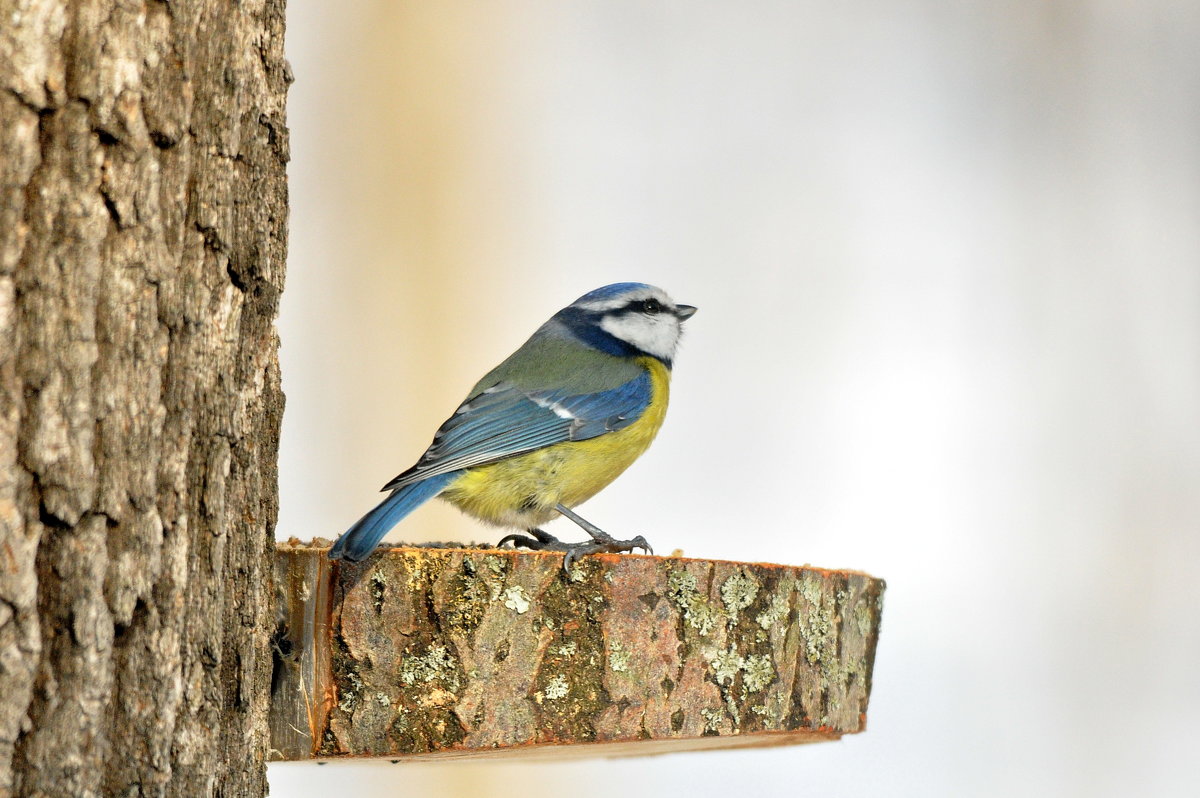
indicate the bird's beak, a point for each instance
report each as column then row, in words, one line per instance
column 684, row 311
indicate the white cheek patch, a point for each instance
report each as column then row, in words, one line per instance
column 656, row 335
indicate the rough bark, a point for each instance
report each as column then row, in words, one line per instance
column 422, row 652
column 142, row 243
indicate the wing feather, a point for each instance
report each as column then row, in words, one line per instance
column 504, row 421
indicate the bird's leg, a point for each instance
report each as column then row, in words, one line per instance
column 598, row 534
column 601, row 541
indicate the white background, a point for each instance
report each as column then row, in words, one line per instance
column 947, row 259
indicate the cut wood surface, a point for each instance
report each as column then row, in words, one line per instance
column 459, row 652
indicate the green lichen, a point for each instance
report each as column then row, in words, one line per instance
column 776, row 611
column 348, row 698
column 818, row 630
column 378, row 585
column 680, row 584
column 738, row 592
column 726, row 666
column 516, row 599
column 811, row 588
column 712, row 720
column 862, row 619
column 568, row 649
column 759, row 672
column 618, row 658
column 557, row 687
column 817, row 621
column 435, row 665
column 695, row 609
column 383, row 699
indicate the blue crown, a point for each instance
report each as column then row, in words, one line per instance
column 610, row 291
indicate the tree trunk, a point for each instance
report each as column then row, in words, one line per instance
column 142, row 241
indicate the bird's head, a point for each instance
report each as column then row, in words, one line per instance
column 628, row 319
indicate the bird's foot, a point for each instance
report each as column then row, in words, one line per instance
column 600, row 544
column 574, row 551
column 538, row 542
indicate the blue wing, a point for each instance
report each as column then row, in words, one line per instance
column 504, row 420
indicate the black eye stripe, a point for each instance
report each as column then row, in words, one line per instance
column 649, row 306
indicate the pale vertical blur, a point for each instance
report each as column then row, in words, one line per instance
column 947, row 259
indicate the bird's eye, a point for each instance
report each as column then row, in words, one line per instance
column 651, row 306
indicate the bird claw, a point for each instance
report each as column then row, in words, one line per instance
column 611, row 546
column 523, row 541
column 573, row 551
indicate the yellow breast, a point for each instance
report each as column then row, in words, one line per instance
column 523, row 490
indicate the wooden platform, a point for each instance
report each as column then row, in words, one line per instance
column 423, row 653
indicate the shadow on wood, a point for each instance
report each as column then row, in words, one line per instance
column 420, row 653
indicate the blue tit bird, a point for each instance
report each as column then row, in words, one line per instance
column 549, row 427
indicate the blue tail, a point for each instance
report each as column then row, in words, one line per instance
column 361, row 539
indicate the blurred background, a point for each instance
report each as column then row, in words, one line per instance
column 947, row 259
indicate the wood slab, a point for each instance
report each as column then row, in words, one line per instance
column 422, row 653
